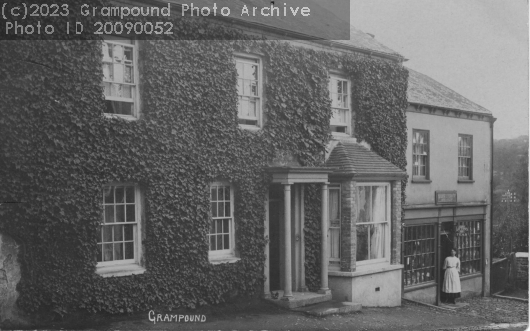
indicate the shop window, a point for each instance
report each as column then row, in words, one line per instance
column 469, row 245
column 249, row 90
column 339, row 92
column 420, row 154
column 334, row 225
column 373, row 232
column 120, row 78
column 419, row 254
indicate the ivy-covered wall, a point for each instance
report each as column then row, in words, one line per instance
column 58, row 150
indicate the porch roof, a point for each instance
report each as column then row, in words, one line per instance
column 351, row 159
column 293, row 175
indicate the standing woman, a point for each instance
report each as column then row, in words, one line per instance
column 451, row 286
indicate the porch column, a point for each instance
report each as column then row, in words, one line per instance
column 324, row 243
column 288, row 292
column 303, row 287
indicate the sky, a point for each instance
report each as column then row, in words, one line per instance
column 478, row 48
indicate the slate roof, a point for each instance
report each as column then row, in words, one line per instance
column 321, row 25
column 354, row 159
column 426, row 91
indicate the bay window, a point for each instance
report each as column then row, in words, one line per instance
column 373, row 223
column 334, row 225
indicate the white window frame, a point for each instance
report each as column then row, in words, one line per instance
column 332, row 78
column 386, row 258
column 134, row 86
column 252, row 59
column 129, row 266
column 230, row 253
column 427, row 152
column 335, row 261
column 465, row 157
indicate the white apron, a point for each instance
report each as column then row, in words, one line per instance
column 452, row 278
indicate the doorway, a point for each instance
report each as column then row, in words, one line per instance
column 446, row 244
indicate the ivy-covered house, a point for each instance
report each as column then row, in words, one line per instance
column 195, row 170
column 450, row 167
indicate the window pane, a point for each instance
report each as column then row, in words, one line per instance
column 334, row 243
column 377, row 241
column 219, row 241
column 220, row 209
column 212, row 243
column 118, row 251
column 226, row 241
column 227, row 209
column 214, row 209
column 107, row 233
column 129, row 193
column 120, row 213
column 213, row 192
column 221, row 193
column 118, row 232
column 108, row 192
column 131, row 213
column 128, row 230
column 379, row 204
column 107, row 252
column 129, row 250
column 120, row 194
column 109, row 214
column 364, row 204
column 362, row 243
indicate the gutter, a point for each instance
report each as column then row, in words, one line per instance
column 287, row 33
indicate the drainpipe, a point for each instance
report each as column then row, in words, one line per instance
column 492, row 121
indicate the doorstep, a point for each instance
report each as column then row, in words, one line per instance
column 299, row 299
column 330, row 308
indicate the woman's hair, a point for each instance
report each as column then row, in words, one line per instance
column 455, row 249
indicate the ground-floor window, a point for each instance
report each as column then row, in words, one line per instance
column 419, row 254
column 221, row 234
column 373, row 233
column 119, row 232
column 469, row 245
column 334, row 224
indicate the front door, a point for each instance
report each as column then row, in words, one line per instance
column 275, row 212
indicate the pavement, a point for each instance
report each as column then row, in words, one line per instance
column 262, row 315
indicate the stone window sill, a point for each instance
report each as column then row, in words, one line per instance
column 220, row 260
column 120, row 270
column 466, row 181
column 421, row 181
column 251, row 128
column 365, row 270
column 123, row 117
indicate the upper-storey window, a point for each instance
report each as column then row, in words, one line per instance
column 249, row 89
column 120, row 77
column 465, row 156
column 420, row 154
column 339, row 92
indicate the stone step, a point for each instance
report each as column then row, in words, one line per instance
column 330, row 308
column 299, row 299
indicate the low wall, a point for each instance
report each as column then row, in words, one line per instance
column 372, row 288
column 521, row 260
